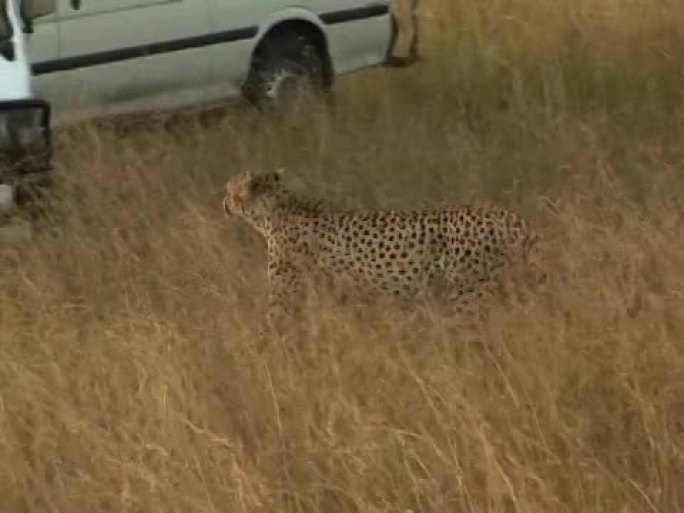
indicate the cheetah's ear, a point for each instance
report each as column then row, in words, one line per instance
column 277, row 175
column 274, row 178
column 264, row 182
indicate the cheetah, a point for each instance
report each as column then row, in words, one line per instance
column 397, row 254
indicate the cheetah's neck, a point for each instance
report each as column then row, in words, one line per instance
column 288, row 203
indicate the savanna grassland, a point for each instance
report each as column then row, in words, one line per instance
column 132, row 374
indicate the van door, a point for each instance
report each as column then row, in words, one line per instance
column 42, row 43
column 238, row 23
column 121, row 55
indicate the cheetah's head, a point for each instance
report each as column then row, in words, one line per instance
column 249, row 194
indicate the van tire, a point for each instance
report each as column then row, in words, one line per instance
column 282, row 64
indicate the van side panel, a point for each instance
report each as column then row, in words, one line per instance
column 112, row 56
column 358, row 38
column 123, row 55
column 229, row 62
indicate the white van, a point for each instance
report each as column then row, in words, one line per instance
column 93, row 57
column 25, row 142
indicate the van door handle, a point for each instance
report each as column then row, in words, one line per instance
column 75, row 4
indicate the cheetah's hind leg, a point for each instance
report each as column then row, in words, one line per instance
column 469, row 299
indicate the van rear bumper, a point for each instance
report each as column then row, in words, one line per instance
column 25, row 149
column 25, row 136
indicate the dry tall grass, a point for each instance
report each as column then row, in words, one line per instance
column 131, row 374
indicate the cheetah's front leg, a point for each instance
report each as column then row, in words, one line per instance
column 285, row 292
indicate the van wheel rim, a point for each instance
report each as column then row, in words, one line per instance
column 283, row 84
